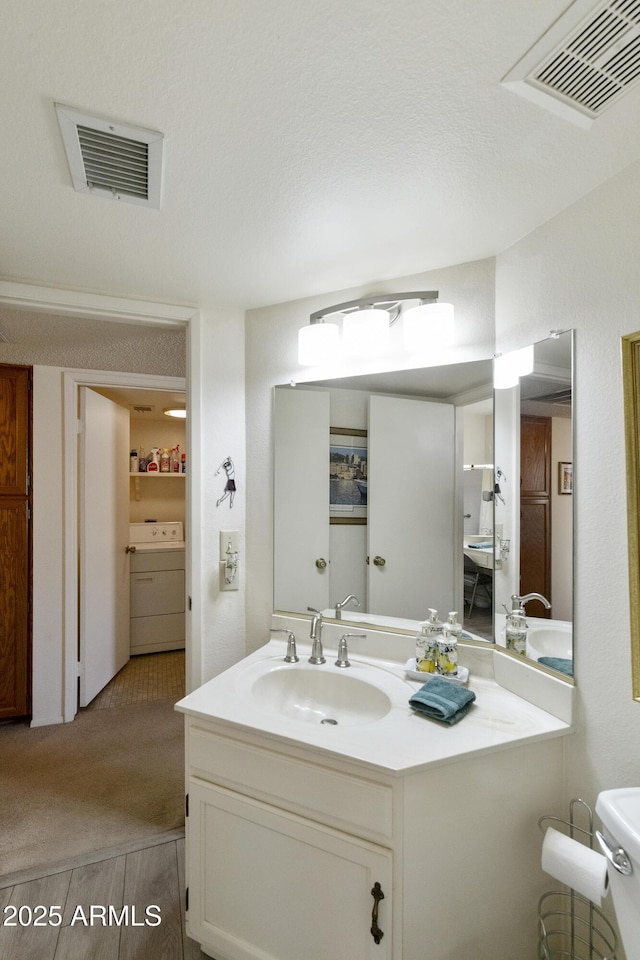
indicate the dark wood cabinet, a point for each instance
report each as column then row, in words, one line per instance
column 15, row 542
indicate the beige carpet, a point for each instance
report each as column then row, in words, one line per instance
column 109, row 778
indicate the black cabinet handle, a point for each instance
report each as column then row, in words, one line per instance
column 377, row 895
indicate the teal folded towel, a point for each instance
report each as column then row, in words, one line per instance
column 481, row 546
column 442, row 700
column 558, row 663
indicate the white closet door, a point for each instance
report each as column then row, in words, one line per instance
column 411, row 507
column 301, row 499
column 104, row 534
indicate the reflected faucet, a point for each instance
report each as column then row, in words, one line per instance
column 315, row 635
column 520, row 601
column 339, row 606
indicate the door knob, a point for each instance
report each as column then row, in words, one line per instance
column 130, row 548
column 321, row 563
column 379, row 561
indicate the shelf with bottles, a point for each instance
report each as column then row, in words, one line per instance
column 157, row 473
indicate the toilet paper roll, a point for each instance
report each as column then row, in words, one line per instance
column 578, row 866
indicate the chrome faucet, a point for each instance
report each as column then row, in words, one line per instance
column 520, row 601
column 339, row 606
column 315, row 635
column 343, row 653
column 291, row 655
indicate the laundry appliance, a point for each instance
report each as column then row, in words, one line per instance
column 157, row 597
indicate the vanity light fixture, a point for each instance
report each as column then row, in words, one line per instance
column 509, row 367
column 179, row 413
column 365, row 326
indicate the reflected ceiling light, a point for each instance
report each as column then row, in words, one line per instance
column 509, row 367
column 365, row 324
column 178, row 412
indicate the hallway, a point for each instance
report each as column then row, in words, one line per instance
column 150, row 676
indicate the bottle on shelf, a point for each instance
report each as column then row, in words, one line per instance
column 133, row 461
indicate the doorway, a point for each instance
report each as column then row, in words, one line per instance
column 111, row 502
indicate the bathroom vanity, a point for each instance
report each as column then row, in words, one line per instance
column 377, row 834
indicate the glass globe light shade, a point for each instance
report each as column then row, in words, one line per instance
column 318, row 343
column 365, row 333
column 427, row 325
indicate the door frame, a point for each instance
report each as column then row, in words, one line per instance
column 88, row 306
column 72, row 382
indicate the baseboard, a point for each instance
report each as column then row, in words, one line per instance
column 46, row 721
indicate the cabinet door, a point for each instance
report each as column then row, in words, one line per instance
column 14, row 614
column 268, row 885
column 15, row 542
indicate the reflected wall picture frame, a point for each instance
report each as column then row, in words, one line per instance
column 631, row 391
column 565, row 477
column 347, row 475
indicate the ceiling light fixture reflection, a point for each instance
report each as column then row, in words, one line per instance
column 360, row 328
column 179, row 413
column 509, row 367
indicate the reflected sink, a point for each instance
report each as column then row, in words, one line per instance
column 549, row 638
column 314, row 694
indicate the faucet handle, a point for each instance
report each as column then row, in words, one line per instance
column 292, row 654
column 343, row 654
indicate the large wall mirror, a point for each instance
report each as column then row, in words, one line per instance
column 388, row 489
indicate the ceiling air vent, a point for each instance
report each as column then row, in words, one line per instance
column 110, row 159
column 585, row 62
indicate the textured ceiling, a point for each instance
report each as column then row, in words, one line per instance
column 33, row 338
column 310, row 146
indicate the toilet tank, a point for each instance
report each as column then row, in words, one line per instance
column 619, row 811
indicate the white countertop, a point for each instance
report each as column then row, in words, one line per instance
column 400, row 742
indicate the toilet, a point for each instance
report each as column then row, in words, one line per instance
column 619, row 811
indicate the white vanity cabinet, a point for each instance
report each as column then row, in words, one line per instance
column 267, row 883
column 292, row 824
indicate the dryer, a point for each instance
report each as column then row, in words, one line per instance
column 157, row 597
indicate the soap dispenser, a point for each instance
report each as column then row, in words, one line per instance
column 515, row 629
column 427, row 643
column 447, row 652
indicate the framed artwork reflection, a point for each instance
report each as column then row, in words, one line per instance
column 347, row 475
column 565, row 477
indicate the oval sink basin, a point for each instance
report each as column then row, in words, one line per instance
column 549, row 638
column 318, row 696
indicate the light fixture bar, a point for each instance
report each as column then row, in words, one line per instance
column 359, row 329
column 374, row 300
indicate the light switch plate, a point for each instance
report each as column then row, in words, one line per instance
column 229, row 554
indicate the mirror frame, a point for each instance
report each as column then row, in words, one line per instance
column 631, row 393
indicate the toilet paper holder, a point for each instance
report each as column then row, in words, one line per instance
column 570, row 926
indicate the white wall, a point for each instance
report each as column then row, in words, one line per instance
column 561, row 523
column 581, row 270
column 217, row 430
column 271, row 358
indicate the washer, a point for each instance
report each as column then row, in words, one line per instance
column 157, row 597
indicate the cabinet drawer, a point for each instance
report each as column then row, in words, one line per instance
column 358, row 806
